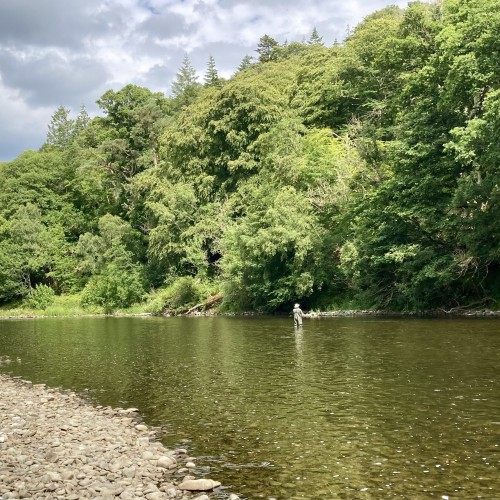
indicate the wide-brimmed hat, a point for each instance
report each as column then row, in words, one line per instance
column 296, row 305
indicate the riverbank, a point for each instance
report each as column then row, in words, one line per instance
column 437, row 313
column 69, row 307
column 65, row 306
column 54, row 444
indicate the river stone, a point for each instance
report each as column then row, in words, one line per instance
column 127, row 495
column 155, row 495
column 166, row 462
column 56, row 445
column 171, row 492
column 54, row 477
column 129, row 472
column 198, row 485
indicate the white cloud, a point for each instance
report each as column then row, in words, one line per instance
column 20, row 124
column 55, row 52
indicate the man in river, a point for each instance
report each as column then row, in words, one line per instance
column 297, row 315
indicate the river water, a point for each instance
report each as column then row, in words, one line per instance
column 347, row 408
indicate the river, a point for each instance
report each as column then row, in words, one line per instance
column 347, row 408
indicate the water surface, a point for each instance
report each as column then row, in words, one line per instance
column 342, row 408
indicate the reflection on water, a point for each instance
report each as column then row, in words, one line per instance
column 341, row 408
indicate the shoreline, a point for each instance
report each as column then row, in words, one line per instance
column 441, row 313
column 56, row 444
column 354, row 313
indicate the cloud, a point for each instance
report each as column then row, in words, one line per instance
column 57, row 23
column 60, row 52
column 50, row 78
column 158, row 78
column 21, row 126
column 163, row 26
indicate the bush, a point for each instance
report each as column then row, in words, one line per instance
column 185, row 293
column 158, row 300
column 40, row 297
column 180, row 296
column 113, row 289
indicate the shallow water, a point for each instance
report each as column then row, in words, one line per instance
column 348, row 408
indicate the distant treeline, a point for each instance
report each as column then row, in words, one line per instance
column 361, row 175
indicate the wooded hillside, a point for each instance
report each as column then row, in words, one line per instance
column 362, row 175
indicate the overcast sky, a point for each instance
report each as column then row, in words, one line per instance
column 69, row 52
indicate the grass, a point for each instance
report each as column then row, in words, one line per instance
column 63, row 305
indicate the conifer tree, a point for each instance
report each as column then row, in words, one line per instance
column 245, row 63
column 315, row 39
column 265, row 48
column 82, row 120
column 60, row 129
column 211, row 78
column 185, row 87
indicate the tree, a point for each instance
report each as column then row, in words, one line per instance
column 315, row 39
column 119, row 285
column 471, row 92
column 214, row 145
column 211, row 78
column 268, row 252
column 364, row 174
column 321, row 93
column 11, row 286
column 171, row 210
column 265, row 48
column 30, row 253
column 110, row 258
column 82, row 120
column 185, row 87
column 45, row 179
column 61, row 128
column 405, row 251
column 245, row 63
column 115, row 148
column 20, row 250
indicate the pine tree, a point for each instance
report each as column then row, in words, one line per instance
column 265, row 48
column 185, row 87
column 60, row 129
column 315, row 39
column 245, row 63
column 82, row 120
column 211, row 78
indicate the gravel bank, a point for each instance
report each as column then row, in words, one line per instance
column 54, row 444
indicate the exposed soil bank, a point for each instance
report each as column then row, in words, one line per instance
column 56, row 445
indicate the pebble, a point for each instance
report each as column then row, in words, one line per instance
column 198, row 484
column 54, row 444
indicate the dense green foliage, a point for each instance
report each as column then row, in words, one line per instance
column 365, row 174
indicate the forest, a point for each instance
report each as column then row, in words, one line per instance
column 364, row 175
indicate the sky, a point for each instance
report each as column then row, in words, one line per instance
column 69, row 52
